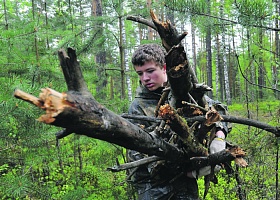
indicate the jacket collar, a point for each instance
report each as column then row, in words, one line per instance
column 143, row 92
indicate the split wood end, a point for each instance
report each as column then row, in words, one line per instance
column 28, row 97
column 49, row 100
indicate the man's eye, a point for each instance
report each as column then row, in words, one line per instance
column 150, row 71
column 139, row 73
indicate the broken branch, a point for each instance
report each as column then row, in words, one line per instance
column 83, row 115
column 180, row 127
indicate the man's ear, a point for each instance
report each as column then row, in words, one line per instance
column 164, row 67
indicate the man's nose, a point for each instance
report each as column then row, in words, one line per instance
column 146, row 77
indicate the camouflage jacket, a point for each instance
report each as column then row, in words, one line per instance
column 151, row 181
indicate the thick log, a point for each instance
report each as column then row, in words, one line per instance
column 85, row 116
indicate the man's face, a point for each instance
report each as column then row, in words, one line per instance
column 151, row 75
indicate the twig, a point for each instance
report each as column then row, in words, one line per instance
column 192, row 163
column 133, row 164
column 194, row 105
column 223, row 19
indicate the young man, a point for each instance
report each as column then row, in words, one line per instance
column 154, row 181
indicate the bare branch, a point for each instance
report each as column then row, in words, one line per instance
column 192, row 163
column 226, row 118
column 142, row 21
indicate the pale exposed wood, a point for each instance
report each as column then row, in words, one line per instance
column 28, row 97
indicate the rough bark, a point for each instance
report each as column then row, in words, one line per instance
column 78, row 112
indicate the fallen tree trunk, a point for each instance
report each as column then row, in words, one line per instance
column 78, row 112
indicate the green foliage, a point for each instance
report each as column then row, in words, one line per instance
column 34, row 165
column 192, row 6
column 255, row 11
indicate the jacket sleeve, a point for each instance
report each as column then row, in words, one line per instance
column 136, row 109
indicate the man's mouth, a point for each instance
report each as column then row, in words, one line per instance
column 149, row 85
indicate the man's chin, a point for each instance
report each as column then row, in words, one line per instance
column 151, row 89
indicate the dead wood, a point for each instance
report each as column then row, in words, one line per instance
column 142, row 21
column 78, row 112
column 179, row 76
column 224, row 156
column 226, row 118
column 180, row 127
column 83, row 115
column 72, row 72
column 194, row 163
column 137, row 163
column 168, row 33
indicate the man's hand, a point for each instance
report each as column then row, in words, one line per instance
column 204, row 171
column 218, row 144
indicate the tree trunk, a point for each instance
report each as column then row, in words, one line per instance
column 121, row 48
column 194, row 48
column 36, row 74
column 225, row 62
column 100, row 57
column 261, row 69
column 126, row 62
column 151, row 32
column 6, row 16
column 209, row 50
column 218, row 61
column 275, row 69
column 47, row 24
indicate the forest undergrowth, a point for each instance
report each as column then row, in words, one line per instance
column 35, row 166
column 259, row 179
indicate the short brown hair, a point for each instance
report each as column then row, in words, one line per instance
column 149, row 52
